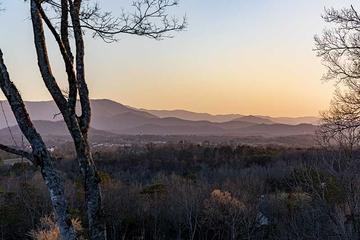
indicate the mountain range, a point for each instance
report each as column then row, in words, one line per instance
column 193, row 116
column 110, row 117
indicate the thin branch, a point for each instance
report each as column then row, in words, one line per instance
column 150, row 19
column 18, row 152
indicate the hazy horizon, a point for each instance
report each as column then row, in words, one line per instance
column 179, row 109
column 223, row 63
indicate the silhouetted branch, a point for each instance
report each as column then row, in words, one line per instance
column 339, row 47
column 18, row 152
column 149, row 19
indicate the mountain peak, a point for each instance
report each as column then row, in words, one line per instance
column 254, row 119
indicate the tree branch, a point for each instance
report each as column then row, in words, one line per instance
column 43, row 60
column 18, row 107
column 18, row 152
column 64, row 28
column 85, row 117
column 150, row 19
column 66, row 58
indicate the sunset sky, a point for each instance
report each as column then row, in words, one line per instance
column 237, row 56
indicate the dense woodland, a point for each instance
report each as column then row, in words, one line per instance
column 189, row 191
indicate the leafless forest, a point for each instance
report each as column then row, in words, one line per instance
column 108, row 171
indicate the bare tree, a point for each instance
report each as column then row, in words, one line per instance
column 65, row 18
column 340, row 125
column 339, row 49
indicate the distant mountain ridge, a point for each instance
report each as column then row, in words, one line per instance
column 194, row 116
column 110, row 117
column 255, row 119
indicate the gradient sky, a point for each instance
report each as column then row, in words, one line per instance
column 237, row 56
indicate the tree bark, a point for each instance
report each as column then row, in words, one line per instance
column 40, row 155
column 77, row 126
column 93, row 196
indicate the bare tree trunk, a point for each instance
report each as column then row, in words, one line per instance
column 55, row 185
column 77, row 126
column 92, row 192
column 40, row 156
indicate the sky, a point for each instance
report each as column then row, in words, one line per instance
column 236, row 56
